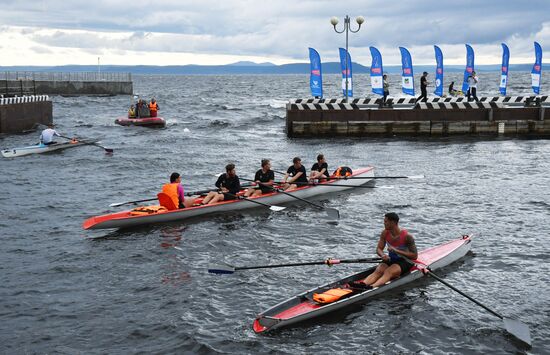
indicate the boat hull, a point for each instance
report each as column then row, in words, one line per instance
column 301, row 307
column 41, row 148
column 146, row 122
column 125, row 220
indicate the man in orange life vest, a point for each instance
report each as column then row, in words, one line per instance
column 175, row 191
column 153, row 108
column 400, row 243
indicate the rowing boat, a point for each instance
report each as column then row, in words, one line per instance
column 126, row 219
column 302, row 307
column 42, row 148
column 146, row 121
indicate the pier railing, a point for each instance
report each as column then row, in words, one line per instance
column 66, row 76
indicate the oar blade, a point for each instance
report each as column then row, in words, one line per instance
column 221, row 269
column 116, row 204
column 415, row 177
column 277, row 208
column 333, row 213
column 518, row 329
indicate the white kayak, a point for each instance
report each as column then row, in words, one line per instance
column 42, row 148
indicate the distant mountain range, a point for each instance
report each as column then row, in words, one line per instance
column 249, row 68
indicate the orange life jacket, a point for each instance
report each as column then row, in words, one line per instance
column 343, row 171
column 331, row 295
column 153, row 106
column 145, row 210
column 171, row 189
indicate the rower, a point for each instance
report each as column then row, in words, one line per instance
column 295, row 176
column 174, row 190
column 400, row 243
column 46, row 137
column 319, row 170
column 265, row 176
column 228, row 183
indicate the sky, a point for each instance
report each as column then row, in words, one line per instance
column 180, row 32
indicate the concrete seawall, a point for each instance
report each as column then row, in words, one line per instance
column 493, row 117
column 23, row 113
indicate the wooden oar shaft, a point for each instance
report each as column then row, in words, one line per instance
column 335, row 185
column 287, row 193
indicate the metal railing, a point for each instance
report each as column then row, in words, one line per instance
column 66, row 76
column 22, row 99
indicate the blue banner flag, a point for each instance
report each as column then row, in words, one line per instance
column 343, row 66
column 504, row 73
column 407, row 78
column 469, row 67
column 537, row 69
column 315, row 77
column 376, row 71
column 438, row 71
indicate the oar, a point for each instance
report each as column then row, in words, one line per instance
column 333, row 213
column 518, row 329
column 340, row 185
column 107, row 150
column 228, row 269
column 383, row 177
column 153, row 199
column 271, row 207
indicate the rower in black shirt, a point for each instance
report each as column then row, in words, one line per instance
column 229, row 185
column 266, row 176
column 319, row 170
column 296, row 175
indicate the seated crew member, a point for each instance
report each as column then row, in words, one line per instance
column 153, row 108
column 319, row 170
column 46, row 137
column 296, row 175
column 266, row 176
column 400, row 243
column 175, row 191
column 132, row 112
column 228, row 183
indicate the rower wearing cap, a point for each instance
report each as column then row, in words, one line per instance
column 295, row 176
column 264, row 179
column 46, row 137
column 400, row 243
column 174, row 190
column 229, row 185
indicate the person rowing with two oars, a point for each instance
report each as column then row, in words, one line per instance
column 46, row 137
column 228, row 183
column 264, row 179
column 295, row 176
column 400, row 243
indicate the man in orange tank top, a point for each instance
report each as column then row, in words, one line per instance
column 399, row 243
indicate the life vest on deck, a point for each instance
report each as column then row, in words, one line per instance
column 171, row 189
column 145, row 210
column 343, row 171
column 331, row 295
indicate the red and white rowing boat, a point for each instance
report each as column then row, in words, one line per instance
column 303, row 307
column 126, row 219
column 146, row 121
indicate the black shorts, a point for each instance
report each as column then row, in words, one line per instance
column 229, row 196
column 403, row 264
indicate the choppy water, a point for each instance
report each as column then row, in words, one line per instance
column 147, row 290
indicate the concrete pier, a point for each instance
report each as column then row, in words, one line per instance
column 70, row 84
column 18, row 114
column 492, row 116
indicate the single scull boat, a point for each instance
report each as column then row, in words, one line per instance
column 302, row 307
column 42, row 148
column 126, row 219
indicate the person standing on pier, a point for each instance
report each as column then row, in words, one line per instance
column 423, row 88
column 472, row 86
column 386, row 85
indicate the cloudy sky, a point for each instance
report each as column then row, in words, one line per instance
column 178, row 32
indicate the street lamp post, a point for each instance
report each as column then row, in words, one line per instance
column 347, row 28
